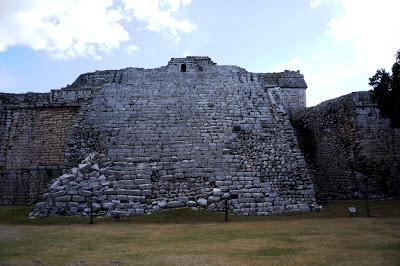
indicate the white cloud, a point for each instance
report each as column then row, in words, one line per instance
column 65, row 29
column 132, row 49
column 371, row 28
column 315, row 3
column 296, row 63
column 328, row 82
column 362, row 36
column 317, row 55
column 186, row 53
column 159, row 15
column 75, row 28
column 325, row 81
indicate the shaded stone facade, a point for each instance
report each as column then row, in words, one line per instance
column 34, row 129
column 352, row 151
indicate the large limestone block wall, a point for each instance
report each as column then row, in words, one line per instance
column 351, row 149
column 191, row 131
column 34, row 129
column 38, row 136
column 175, row 136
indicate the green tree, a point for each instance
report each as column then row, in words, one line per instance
column 386, row 92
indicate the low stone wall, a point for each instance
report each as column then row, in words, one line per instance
column 352, row 151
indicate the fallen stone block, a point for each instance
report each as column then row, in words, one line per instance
column 174, row 204
column 202, row 202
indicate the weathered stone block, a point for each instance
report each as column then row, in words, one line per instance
column 213, row 199
column 191, row 203
column 86, row 193
column 62, row 198
column 174, row 204
column 202, row 202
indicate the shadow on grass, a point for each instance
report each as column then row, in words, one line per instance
column 18, row 214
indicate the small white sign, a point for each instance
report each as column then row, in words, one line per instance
column 352, row 210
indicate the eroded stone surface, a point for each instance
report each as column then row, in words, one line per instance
column 352, row 151
column 175, row 138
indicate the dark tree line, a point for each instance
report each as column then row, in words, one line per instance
column 386, row 92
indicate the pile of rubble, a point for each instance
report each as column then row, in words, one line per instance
column 85, row 189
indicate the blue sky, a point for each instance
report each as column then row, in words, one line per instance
column 336, row 44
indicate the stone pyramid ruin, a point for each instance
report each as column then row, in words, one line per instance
column 191, row 133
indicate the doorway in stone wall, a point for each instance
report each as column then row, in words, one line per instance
column 183, row 68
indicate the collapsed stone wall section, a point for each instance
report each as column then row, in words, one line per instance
column 86, row 187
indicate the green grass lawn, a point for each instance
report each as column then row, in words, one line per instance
column 185, row 237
